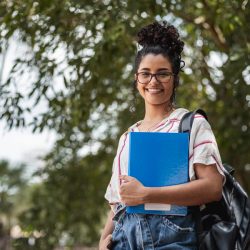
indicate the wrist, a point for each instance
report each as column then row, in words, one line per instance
column 154, row 195
column 148, row 195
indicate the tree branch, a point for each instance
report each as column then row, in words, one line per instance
column 205, row 24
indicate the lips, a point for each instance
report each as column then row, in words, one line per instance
column 154, row 90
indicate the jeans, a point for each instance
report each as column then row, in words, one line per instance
column 153, row 232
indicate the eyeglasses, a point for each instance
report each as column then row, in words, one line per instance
column 146, row 77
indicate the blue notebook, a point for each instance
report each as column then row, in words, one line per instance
column 156, row 160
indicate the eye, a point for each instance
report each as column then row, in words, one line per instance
column 145, row 74
column 164, row 75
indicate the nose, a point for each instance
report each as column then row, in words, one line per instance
column 154, row 79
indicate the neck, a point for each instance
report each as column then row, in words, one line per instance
column 157, row 112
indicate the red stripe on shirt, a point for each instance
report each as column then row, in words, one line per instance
column 119, row 158
column 172, row 124
column 175, row 120
column 160, row 125
column 171, row 121
column 199, row 116
column 201, row 143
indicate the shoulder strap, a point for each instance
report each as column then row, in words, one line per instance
column 185, row 127
column 187, row 120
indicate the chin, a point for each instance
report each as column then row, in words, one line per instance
column 157, row 103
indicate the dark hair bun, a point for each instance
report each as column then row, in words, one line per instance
column 163, row 35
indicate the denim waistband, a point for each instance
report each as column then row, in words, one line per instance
column 152, row 231
column 121, row 209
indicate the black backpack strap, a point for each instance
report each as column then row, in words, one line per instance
column 185, row 127
column 188, row 119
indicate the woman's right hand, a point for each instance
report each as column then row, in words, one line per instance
column 105, row 244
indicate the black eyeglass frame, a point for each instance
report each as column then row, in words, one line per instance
column 154, row 75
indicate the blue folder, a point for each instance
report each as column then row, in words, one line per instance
column 158, row 159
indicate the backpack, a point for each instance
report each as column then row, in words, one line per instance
column 224, row 224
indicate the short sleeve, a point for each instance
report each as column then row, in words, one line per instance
column 203, row 147
column 112, row 191
column 109, row 195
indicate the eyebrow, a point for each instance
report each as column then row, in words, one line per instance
column 167, row 69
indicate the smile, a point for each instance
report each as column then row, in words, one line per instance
column 154, row 91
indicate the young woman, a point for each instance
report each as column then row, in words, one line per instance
column 157, row 67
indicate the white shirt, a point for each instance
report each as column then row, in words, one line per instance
column 203, row 149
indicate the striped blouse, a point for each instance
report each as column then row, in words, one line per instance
column 202, row 149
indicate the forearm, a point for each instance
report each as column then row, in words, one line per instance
column 207, row 188
column 109, row 226
column 196, row 192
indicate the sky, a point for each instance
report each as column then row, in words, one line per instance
column 21, row 145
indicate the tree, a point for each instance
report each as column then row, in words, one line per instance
column 82, row 55
column 62, row 206
column 11, row 184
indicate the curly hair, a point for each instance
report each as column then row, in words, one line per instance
column 164, row 39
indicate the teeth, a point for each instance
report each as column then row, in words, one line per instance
column 154, row 90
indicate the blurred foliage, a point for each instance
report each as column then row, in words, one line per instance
column 12, row 184
column 79, row 58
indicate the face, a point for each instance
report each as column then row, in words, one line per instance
column 154, row 92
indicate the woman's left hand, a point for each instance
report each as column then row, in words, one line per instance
column 132, row 192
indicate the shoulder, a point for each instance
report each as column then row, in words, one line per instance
column 175, row 118
column 178, row 113
column 201, row 122
column 201, row 130
column 123, row 137
column 125, row 133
